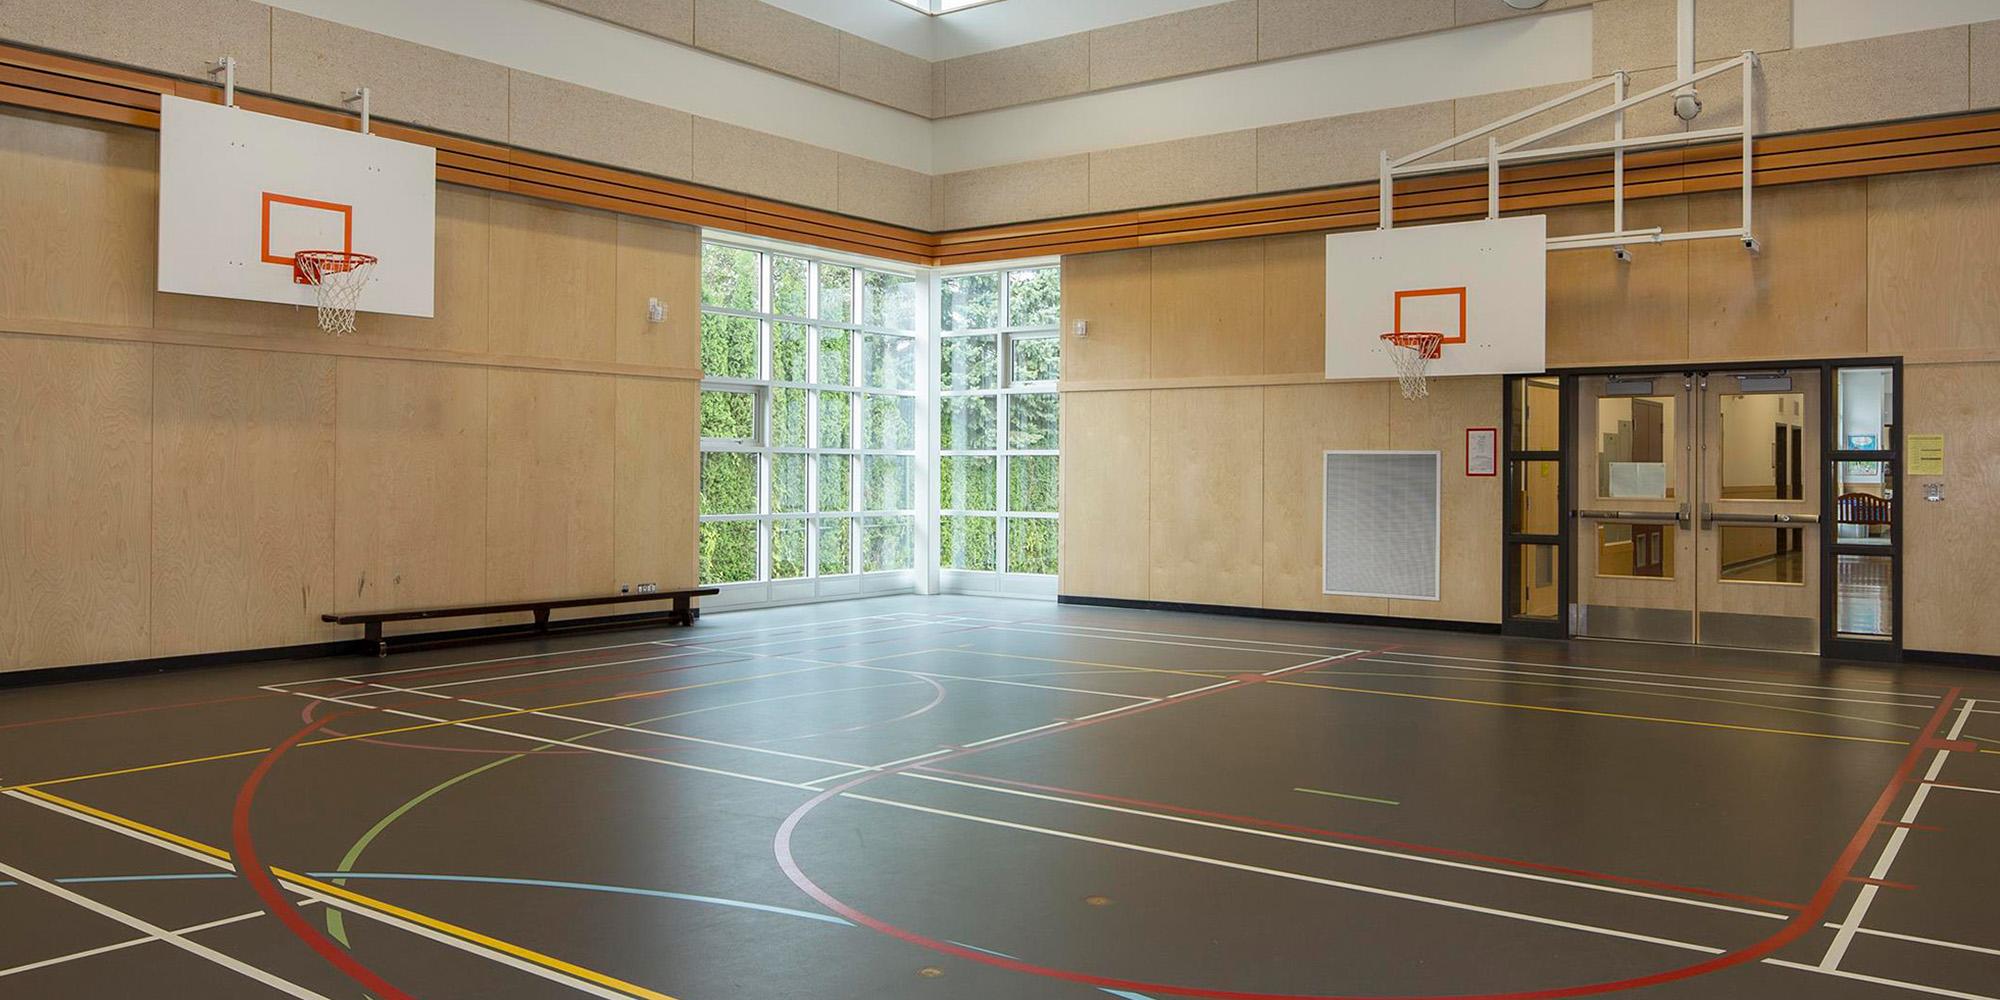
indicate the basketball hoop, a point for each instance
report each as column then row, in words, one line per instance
column 338, row 276
column 1412, row 353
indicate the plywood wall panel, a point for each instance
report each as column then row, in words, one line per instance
column 1207, row 488
column 1948, row 552
column 1295, row 304
column 1805, row 295
column 1605, row 312
column 1113, row 293
column 1106, row 494
column 74, row 502
column 1470, row 514
column 657, row 492
column 1932, row 288
column 242, row 497
column 86, row 193
column 552, row 281
column 410, row 490
column 658, row 260
column 549, row 443
column 1208, row 309
column 1301, row 424
column 459, row 317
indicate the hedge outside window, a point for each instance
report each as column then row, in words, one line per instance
column 808, row 416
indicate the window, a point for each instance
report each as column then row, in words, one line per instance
column 999, row 421
column 808, row 416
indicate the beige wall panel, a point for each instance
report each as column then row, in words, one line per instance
column 552, row 281
column 1480, row 11
column 1295, row 304
column 1207, row 488
column 657, row 490
column 1875, row 79
column 173, row 36
column 1470, row 515
column 1805, row 294
column 670, row 19
column 241, row 317
column 409, row 485
column 1346, row 148
column 1167, row 173
column 1106, row 494
column 1003, row 78
column 769, row 36
column 1986, row 65
column 1655, row 117
column 549, row 441
column 243, row 494
column 1208, row 309
column 769, row 166
column 1189, row 41
column 1602, row 312
column 663, row 261
column 885, row 193
column 1113, row 293
column 1301, row 424
column 562, row 118
column 461, row 296
column 1041, row 189
column 1290, row 27
column 91, row 194
column 75, row 504
column 885, row 75
column 1931, row 284
column 320, row 61
column 1639, row 34
column 1948, row 549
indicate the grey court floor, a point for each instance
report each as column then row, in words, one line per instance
column 959, row 798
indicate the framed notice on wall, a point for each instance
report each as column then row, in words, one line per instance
column 1482, row 446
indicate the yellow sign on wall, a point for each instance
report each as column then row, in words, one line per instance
column 1926, row 454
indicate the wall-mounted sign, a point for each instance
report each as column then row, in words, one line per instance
column 1482, row 448
column 1926, row 454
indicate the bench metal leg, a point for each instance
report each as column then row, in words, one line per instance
column 541, row 619
column 372, row 633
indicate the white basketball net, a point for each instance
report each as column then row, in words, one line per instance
column 1412, row 354
column 338, row 277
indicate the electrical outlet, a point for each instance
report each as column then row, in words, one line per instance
column 649, row 588
column 624, row 589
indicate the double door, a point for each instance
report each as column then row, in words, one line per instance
column 1697, row 502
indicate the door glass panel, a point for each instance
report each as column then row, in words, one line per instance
column 1537, row 414
column 1636, row 448
column 1866, row 401
column 1636, row 550
column 1866, row 593
column 1538, row 505
column 1756, row 554
column 1763, row 437
column 1861, row 504
column 1539, row 584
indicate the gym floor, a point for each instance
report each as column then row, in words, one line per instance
column 960, row 798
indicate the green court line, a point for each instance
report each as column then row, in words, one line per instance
column 1344, row 795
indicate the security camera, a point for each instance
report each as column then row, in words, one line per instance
column 1687, row 106
column 1750, row 243
column 1622, row 255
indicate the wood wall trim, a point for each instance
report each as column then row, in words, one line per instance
column 330, row 347
column 88, row 89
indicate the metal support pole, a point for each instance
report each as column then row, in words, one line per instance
column 1684, row 44
column 226, row 67
column 360, row 96
column 1749, row 152
column 1387, row 211
column 1618, row 157
column 1492, row 177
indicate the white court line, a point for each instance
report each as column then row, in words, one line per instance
column 163, row 935
column 1912, row 938
column 1134, row 631
column 1845, row 936
column 1877, row 980
column 1619, row 680
column 1658, row 673
column 1298, row 877
column 708, row 643
column 894, row 763
column 470, row 948
column 1209, row 687
column 1310, row 664
column 427, row 688
column 1354, row 848
column 1961, row 788
column 996, row 680
column 127, row 943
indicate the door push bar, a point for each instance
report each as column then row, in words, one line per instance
column 1644, row 517
column 1709, row 516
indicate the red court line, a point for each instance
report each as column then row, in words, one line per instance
column 1804, row 922
column 1383, row 842
column 1881, row 883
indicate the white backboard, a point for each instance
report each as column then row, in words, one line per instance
column 240, row 191
column 1483, row 285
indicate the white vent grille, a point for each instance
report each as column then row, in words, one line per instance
column 1381, row 528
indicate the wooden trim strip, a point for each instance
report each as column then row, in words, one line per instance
column 83, row 88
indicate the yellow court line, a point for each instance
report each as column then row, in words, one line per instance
column 29, row 786
column 1095, row 663
column 1596, row 714
column 308, row 882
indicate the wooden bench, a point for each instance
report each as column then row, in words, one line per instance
column 683, row 613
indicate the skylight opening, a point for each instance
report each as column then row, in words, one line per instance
column 936, row 7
